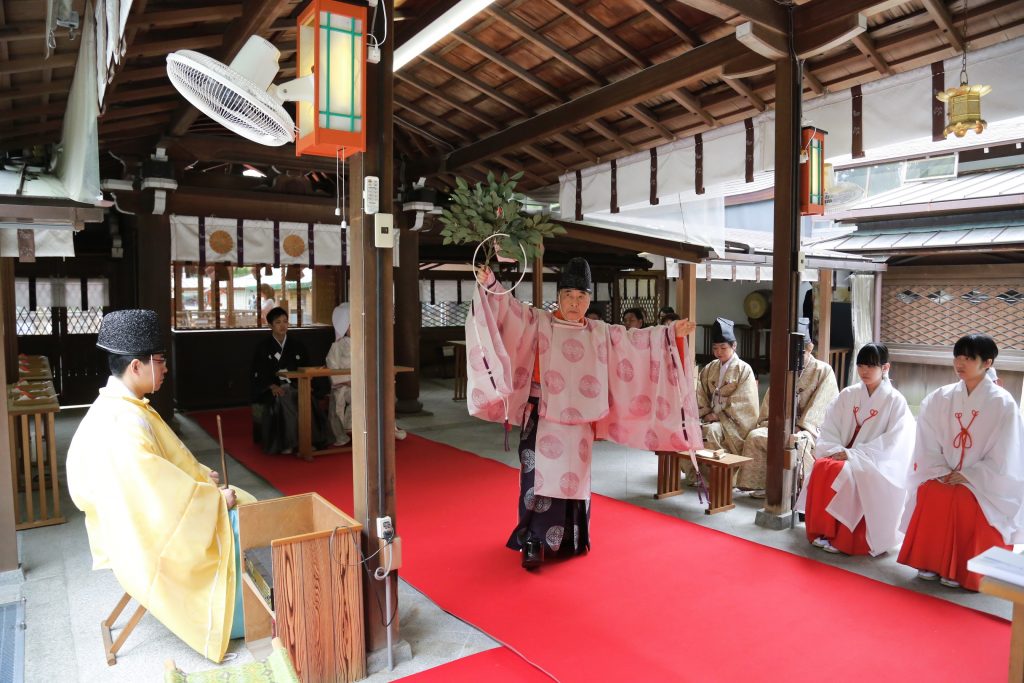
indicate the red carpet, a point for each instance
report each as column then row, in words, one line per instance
column 499, row 664
column 657, row 599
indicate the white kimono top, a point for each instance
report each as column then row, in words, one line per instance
column 982, row 436
column 872, row 483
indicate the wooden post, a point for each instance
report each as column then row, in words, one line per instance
column 876, row 326
column 229, row 296
column 408, row 317
column 200, row 295
column 179, row 304
column 785, row 285
column 686, row 301
column 153, row 253
column 215, row 298
column 8, row 535
column 373, row 383
column 284, row 291
column 538, row 282
column 824, row 314
column 259, row 296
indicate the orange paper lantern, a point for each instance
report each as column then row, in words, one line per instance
column 812, row 172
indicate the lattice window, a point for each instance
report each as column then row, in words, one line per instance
column 939, row 314
column 444, row 313
column 28, row 322
column 85, row 321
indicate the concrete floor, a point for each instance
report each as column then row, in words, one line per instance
column 65, row 599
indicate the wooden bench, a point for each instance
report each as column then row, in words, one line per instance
column 720, row 486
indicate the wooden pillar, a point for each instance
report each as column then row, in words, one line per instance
column 538, row 282
column 9, row 320
column 372, row 331
column 179, row 304
column 785, row 285
column 259, row 296
column 200, row 294
column 824, row 314
column 152, row 261
column 686, row 301
column 408, row 318
column 876, row 324
column 229, row 296
column 8, row 535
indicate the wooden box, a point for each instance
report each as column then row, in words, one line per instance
column 34, row 473
column 318, row 612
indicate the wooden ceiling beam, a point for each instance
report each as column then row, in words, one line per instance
column 605, row 130
column 690, row 102
column 259, row 16
column 768, row 13
column 236, row 150
column 141, row 94
column 673, row 23
column 573, row 144
column 514, row 167
column 647, row 117
column 483, row 88
column 116, row 113
column 672, row 73
column 539, row 155
column 183, row 17
column 439, row 121
column 867, row 48
column 534, row 36
column 29, row 30
column 504, row 62
column 821, row 12
column 34, row 90
column 414, row 136
column 18, row 66
column 437, row 94
column 157, row 48
column 813, row 81
column 940, row 15
column 740, row 86
column 16, row 113
column 633, row 242
column 602, row 32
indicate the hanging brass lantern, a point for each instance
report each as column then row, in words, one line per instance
column 963, row 104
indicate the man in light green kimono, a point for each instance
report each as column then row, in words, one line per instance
column 726, row 395
column 815, row 389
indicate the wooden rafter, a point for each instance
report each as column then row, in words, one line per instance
column 160, row 47
column 672, row 23
column 864, row 43
column 439, row 121
column 182, row 17
column 477, row 85
column 672, row 73
column 29, row 30
column 940, row 15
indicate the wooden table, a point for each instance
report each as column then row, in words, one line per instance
column 720, row 486
column 305, row 377
column 459, row 392
column 34, row 368
column 1014, row 594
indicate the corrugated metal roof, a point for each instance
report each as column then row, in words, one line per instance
column 927, row 239
column 1002, row 183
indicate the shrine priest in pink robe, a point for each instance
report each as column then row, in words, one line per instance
column 854, row 495
column 566, row 380
column 966, row 481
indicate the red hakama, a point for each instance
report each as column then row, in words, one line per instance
column 947, row 529
column 819, row 523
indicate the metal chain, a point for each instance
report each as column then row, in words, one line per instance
column 963, row 36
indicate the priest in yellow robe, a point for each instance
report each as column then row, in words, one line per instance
column 154, row 514
column 815, row 389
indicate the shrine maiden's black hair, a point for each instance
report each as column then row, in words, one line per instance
column 976, row 346
column 873, row 354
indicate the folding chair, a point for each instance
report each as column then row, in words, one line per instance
column 110, row 646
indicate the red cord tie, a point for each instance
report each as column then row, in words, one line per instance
column 856, row 431
column 963, row 440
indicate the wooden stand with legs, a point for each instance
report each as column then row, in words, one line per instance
column 722, row 470
column 110, row 646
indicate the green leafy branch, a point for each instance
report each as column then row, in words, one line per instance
column 490, row 207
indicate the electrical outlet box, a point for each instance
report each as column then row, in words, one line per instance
column 372, row 54
column 371, row 194
column 385, row 528
column 391, row 554
column 384, row 235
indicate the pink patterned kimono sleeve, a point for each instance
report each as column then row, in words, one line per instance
column 652, row 401
column 501, row 343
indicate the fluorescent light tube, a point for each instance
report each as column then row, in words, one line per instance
column 437, row 30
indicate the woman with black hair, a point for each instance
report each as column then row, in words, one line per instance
column 966, row 483
column 855, row 493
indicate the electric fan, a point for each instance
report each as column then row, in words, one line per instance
column 241, row 97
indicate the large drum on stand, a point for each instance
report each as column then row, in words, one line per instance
column 758, row 307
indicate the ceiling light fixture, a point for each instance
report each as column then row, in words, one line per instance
column 963, row 104
column 459, row 14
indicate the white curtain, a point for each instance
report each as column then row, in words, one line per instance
column 862, row 303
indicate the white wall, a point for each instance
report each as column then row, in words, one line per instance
column 724, row 299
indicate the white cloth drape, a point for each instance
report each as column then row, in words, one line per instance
column 862, row 299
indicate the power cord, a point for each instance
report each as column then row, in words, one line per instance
column 363, row 560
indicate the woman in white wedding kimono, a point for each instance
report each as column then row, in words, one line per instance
column 966, row 482
column 854, row 495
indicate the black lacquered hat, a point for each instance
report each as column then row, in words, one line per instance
column 722, row 332
column 134, row 332
column 576, row 275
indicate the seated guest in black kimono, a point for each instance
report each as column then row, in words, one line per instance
column 277, row 395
